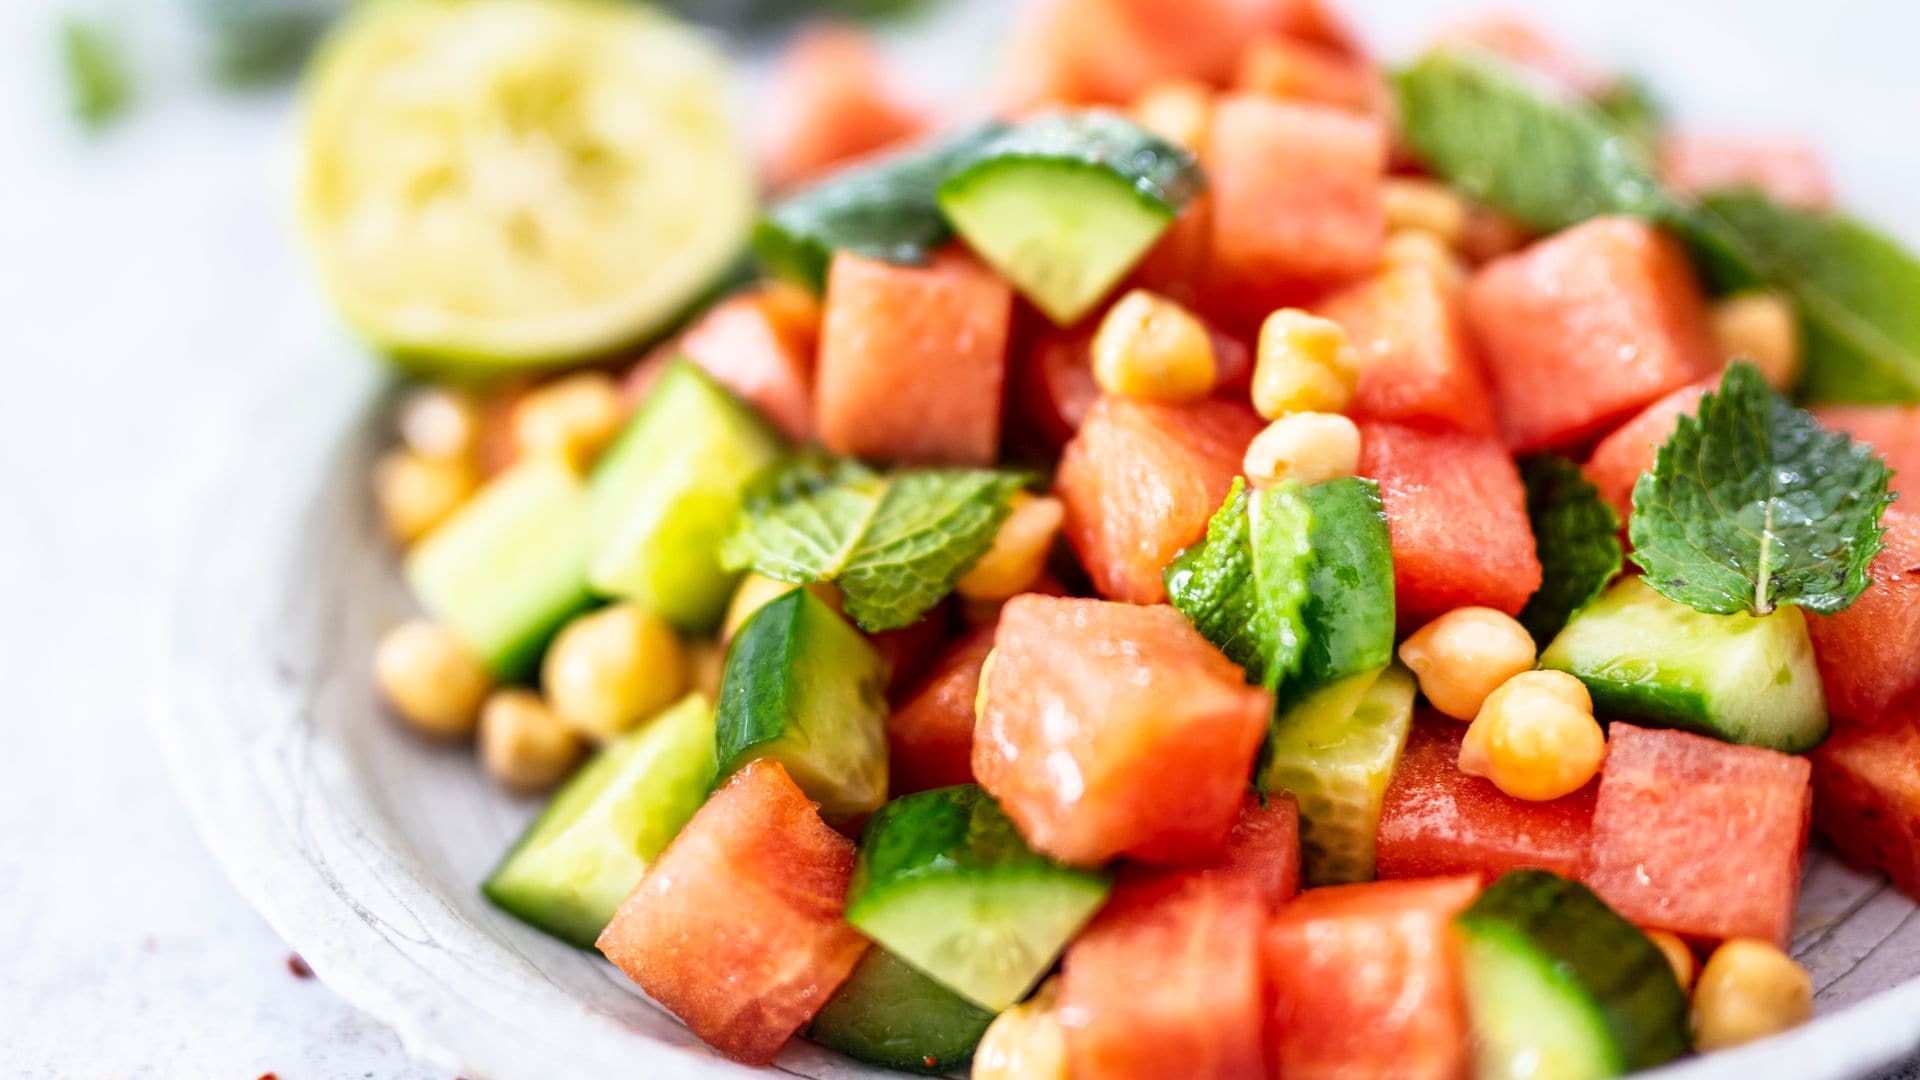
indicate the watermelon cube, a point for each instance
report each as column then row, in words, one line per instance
column 830, row 101
column 1620, row 458
column 1866, row 800
column 1869, row 654
column 909, row 650
column 1163, row 984
column 1457, row 516
column 930, row 737
column 912, row 359
column 1521, row 42
column 759, row 344
column 1786, row 169
column 1438, row 820
column 736, row 929
column 1893, row 430
column 1139, row 481
column 1417, row 365
column 1699, row 837
column 1366, row 981
column 1262, row 852
column 1115, row 729
column 1585, row 328
column 1056, row 386
column 1294, row 70
column 1094, row 51
column 1296, row 200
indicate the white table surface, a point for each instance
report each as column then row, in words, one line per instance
column 148, row 294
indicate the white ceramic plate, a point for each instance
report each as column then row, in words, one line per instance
column 364, row 846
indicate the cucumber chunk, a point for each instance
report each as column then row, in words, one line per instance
column 889, row 1014
column 1560, row 987
column 666, row 493
column 1063, row 205
column 1741, row 678
column 807, row 690
column 570, row 870
column 509, row 567
column 1349, row 613
column 945, row 882
column 1334, row 752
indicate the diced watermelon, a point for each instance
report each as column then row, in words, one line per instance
column 1163, row 984
column 1869, row 654
column 1057, row 388
column 1866, row 800
column 1893, row 430
column 1457, row 515
column 1788, row 170
column 1366, row 982
column 1113, row 729
column 1525, row 44
column 1263, row 849
column 1176, row 265
column 736, row 929
column 1108, row 51
column 1296, row 200
column 930, row 738
column 1439, row 820
column 912, row 359
column 1699, row 837
column 910, row 650
column 1417, row 364
column 829, row 100
column 1295, row 70
column 1587, row 327
column 1140, row 480
column 1620, row 458
column 759, row 344
column 1305, row 20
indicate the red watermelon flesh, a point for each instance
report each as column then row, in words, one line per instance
column 830, row 101
column 1163, row 983
column 1788, row 170
column 1893, row 430
column 760, row 345
column 736, row 929
column 1417, row 364
column 1525, row 44
column 1457, row 515
column 912, row 360
column 1115, row 729
column 1587, row 327
column 930, row 737
column 1290, row 69
column 1366, row 982
column 1438, row 820
column 1621, row 457
column 1262, row 852
column 1139, row 481
column 1866, row 799
column 1296, row 200
column 1699, row 837
column 1869, row 654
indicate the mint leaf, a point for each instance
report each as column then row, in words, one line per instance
column 1578, row 538
column 1751, row 505
column 1630, row 106
column 99, row 86
column 1854, row 287
column 894, row 544
column 1245, row 586
column 1504, row 139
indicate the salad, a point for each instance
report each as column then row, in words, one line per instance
column 1249, row 562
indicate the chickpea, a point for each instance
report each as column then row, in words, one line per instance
column 1178, row 110
column 1425, row 205
column 1019, row 553
column 430, row 678
column 980, row 693
column 1302, row 363
column 1306, row 446
column 706, row 663
column 1410, row 248
column 440, row 424
column 1677, row 954
column 1535, row 737
column 523, row 744
column 1761, row 327
column 1149, row 347
column 1748, row 990
column 1026, row 1042
column 571, row 419
column 416, row 493
column 608, row 670
column 1466, row 654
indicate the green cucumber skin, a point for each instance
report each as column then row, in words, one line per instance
column 953, row 831
column 1594, row 951
column 1350, row 608
column 1164, row 176
column 804, row 688
column 889, row 1014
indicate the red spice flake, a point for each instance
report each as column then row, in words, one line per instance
column 298, row 967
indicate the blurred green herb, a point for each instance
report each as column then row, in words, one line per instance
column 99, row 86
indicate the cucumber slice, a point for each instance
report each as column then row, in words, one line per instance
column 882, row 210
column 1335, row 752
column 1349, row 613
column 1742, row 678
column 1561, row 988
column 571, row 869
column 515, row 183
column 945, row 882
column 807, row 690
column 666, row 493
column 889, row 1014
column 1063, row 205
column 508, row 568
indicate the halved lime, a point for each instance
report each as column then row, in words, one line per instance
column 493, row 184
